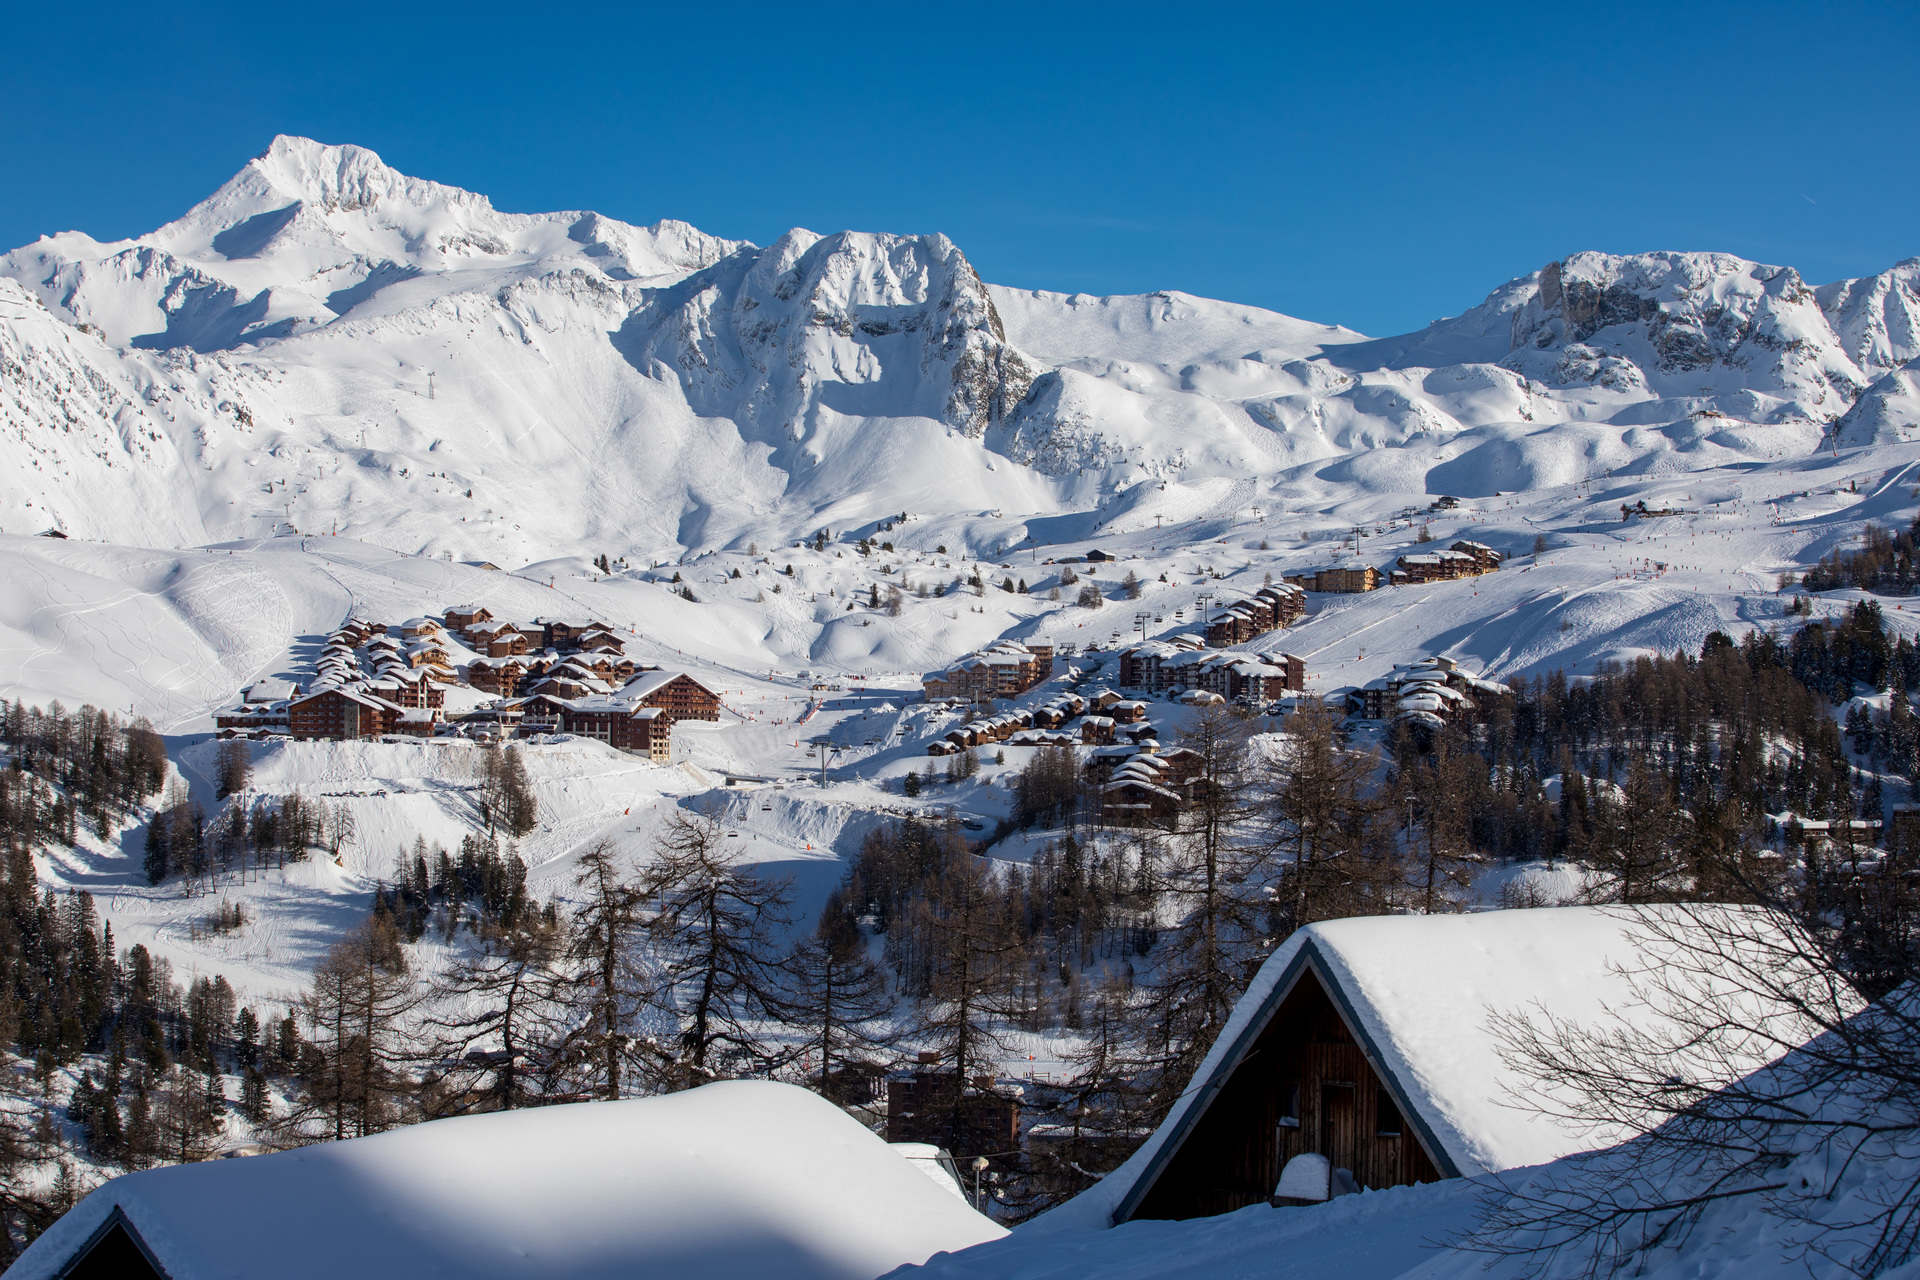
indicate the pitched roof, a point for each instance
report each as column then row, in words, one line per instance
column 650, row 682
column 1419, row 993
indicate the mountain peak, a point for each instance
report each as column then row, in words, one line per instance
column 345, row 177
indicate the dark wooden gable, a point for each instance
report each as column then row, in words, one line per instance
column 114, row 1251
column 1304, row 1084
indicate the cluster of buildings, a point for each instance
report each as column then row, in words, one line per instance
column 1068, row 720
column 1273, row 606
column 1429, row 693
column 1183, row 663
column 1464, row 559
column 1004, row 669
column 1143, row 786
column 467, row 672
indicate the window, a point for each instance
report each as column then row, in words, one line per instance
column 1289, row 1104
column 1387, row 1122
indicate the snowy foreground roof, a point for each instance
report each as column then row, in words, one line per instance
column 1420, row 994
column 1838, row 1191
column 736, row 1179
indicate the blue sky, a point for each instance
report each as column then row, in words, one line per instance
column 1376, row 166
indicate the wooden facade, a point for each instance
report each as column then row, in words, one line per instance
column 937, row 1108
column 1305, row 1085
column 335, row 713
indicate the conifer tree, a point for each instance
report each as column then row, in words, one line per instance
column 605, row 968
column 497, row 1041
column 712, row 934
column 840, row 1001
column 359, row 1006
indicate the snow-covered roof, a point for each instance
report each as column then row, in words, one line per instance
column 650, row 682
column 741, row 1179
column 1420, row 994
column 276, row 690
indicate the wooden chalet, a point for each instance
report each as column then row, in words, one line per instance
column 1435, row 566
column 968, row 1118
column 340, row 713
column 498, row 676
column 1372, row 1042
column 678, row 696
column 643, row 730
column 1137, row 802
column 1483, row 555
column 461, row 617
column 1002, row 670
column 1338, row 580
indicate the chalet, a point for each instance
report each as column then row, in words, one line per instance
column 1483, row 555
column 1435, row 566
column 405, row 689
column 416, row 628
column 1096, row 730
column 252, row 719
column 1372, row 1042
column 498, row 676
column 678, row 695
column 542, row 713
column 1042, row 738
column 558, row 633
column 461, row 617
column 1273, row 606
column 568, row 686
column 431, row 655
column 600, row 640
column 504, row 643
column 1429, row 693
column 262, row 692
column 1137, row 802
column 1345, row 579
column 1144, row 665
column 1128, row 712
column 643, row 730
column 1001, row 670
column 968, row 1118
column 340, row 713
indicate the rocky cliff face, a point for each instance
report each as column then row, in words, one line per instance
column 854, row 325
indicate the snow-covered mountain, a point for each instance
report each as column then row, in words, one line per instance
column 329, row 343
